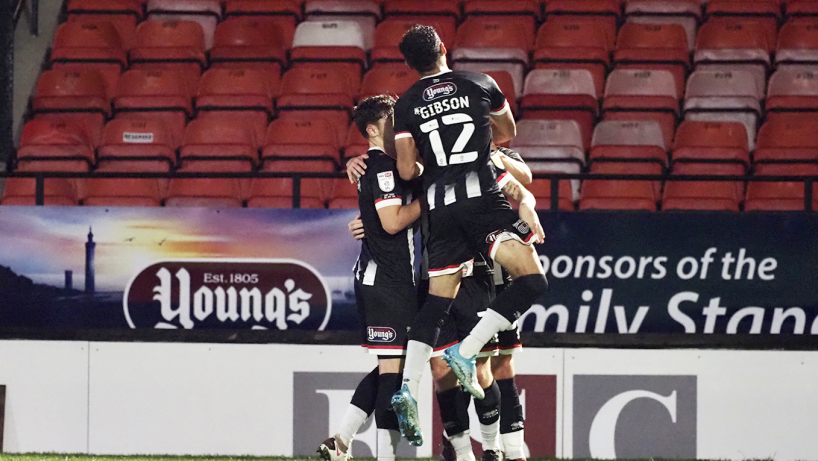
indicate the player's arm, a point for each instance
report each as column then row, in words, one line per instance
column 515, row 191
column 503, row 128
column 408, row 165
column 395, row 218
column 517, row 168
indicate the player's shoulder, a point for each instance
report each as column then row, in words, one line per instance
column 477, row 78
column 379, row 160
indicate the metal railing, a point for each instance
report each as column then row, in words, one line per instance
column 554, row 178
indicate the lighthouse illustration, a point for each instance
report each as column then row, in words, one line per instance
column 89, row 263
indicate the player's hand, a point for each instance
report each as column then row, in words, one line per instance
column 528, row 215
column 356, row 227
column 356, row 167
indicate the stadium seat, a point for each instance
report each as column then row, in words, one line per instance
column 513, row 62
column 448, row 10
column 505, row 81
column 632, row 94
column 250, row 43
column 122, row 14
column 200, row 192
column 224, row 142
column 561, row 95
column 711, row 142
column 122, row 191
column 700, row 195
column 783, row 195
column 281, row 14
column 607, row 13
column 292, row 142
column 165, row 95
column 686, row 13
column 734, row 44
column 724, row 96
column 633, row 142
column 73, row 96
column 620, row 194
column 344, row 195
column 541, row 189
column 793, row 90
column 336, row 45
column 787, row 142
column 365, row 13
column 529, row 10
column 765, row 12
column 354, row 146
column 278, row 193
column 55, row 146
column 137, row 145
column 496, row 32
column 797, row 44
column 574, row 44
column 206, row 12
column 56, row 191
column 549, row 141
column 391, row 78
column 242, row 94
column 83, row 45
column 170, row 45
column 801, row 9
column 389, row 33
column 654, row 47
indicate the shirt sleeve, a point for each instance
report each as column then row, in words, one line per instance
column 386, row 185
column 400, row 121
column 499, row 105
column 510, row 154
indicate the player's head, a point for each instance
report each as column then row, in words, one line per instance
column 421, row 48
column 371, row 114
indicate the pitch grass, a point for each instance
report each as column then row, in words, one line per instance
column 78, row 457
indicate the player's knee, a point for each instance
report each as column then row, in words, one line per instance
column 533, row 285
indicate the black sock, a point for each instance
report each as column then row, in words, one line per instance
column 519, row 296
column 454, row 410
column 385, row 417
column 511, row 412
column 366, row 392
column 428, row 321
column 488, row 408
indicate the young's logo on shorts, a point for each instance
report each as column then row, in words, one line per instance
column 522, row 226
column 380, row 334
column 439, row 90
column 493, row 236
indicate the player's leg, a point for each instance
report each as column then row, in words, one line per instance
column 386, row 420
column 363, row 403
column 511, row 411
column 453, row 404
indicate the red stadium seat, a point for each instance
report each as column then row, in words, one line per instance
column 340, row 44
column 83, row 45
column 250, row 43
column 735, row 44
column 711, row 142
column 170, row 45
column 224, row 142
column 541, row 189
column 392, row 78
column 787, row 142
column 446, row 9
column 654, row 47
column 389, row 33
column 291, row 140
column 55, row 146
column 607, row 13
column 165, row 95
column 241, row 94
column 618, row 194
column 211, row 193
column 73, row 96
column 496, row 32
column 144, row 145
column 506, row 83
column 22, row 191
column 123, row 192
column 686, row 13
column 561, row 95
column 797, row 43
column 793, row 90
column 783, row 196
column 574, row 44
column 344, row 195
column 765, row 12
column 551, row 146
column 632, row 142
column 525, row 11
column 122, row 14
column 317, row 80
column 206, row 12
column 278, row 193
column 282, row 14
column 699, row 195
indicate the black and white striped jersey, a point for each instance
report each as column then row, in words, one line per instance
column 448, row 115
column 384, row 258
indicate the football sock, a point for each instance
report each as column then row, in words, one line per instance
column 511, row 419
column 429, row 319
column 387, row 444
column 354, row 418
column 462, row 446
column 417, row 356
column 365, row 393
column 385, row 419
column 488, row 412
column 486, row 328
column 453, row 413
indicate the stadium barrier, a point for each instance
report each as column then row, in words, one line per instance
column 554, row 178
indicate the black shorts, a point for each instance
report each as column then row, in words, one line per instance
column 466, row 227
column 385, row 313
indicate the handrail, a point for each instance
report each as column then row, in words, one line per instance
column 34, row 15
column 40, row 178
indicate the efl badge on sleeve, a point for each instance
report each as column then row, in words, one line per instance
column 386, row 181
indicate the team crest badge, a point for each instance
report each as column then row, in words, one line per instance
column 386, row 181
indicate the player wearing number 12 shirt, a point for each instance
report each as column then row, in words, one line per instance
column 449, row 119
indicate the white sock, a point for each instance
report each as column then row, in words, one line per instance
column 417, row 356
column 486, row 328
column 462, row 446
column 491, row 436
column 513, row 444
column 387, row 444
column 354, row 418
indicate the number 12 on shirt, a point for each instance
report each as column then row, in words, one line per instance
column 457, row 156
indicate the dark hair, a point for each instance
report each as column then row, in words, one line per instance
column 420, row 47
column 372, row 109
